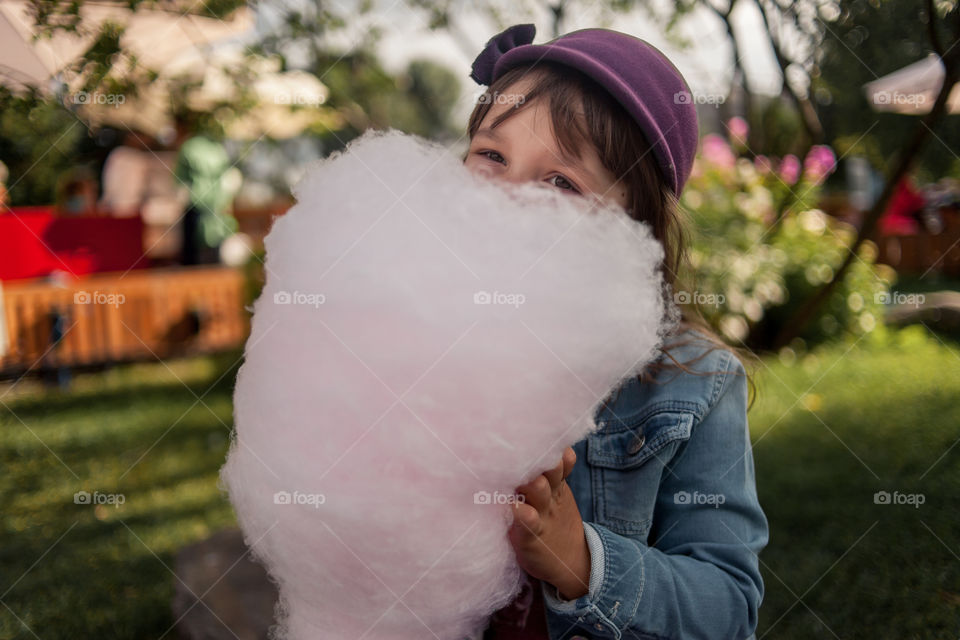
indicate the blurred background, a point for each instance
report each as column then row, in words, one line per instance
column 146, row 146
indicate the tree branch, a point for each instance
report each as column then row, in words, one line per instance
column 808, row 114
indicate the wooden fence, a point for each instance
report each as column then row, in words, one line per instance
column 113, row 317
column 922, row 252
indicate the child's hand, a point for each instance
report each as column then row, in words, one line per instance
column 547, row 532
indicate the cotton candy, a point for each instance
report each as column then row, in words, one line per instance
column 427, row 340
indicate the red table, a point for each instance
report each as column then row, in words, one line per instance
column 34, row 242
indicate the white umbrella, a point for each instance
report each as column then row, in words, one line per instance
column 912, row 89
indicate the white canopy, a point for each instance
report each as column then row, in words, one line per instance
column 155, row 37
column 912, row 89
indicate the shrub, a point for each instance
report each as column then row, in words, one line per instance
column 760, row 247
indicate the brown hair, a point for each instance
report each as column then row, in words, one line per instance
column 582, row 112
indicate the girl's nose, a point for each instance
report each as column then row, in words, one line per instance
column 517, row 173
column 514, row 173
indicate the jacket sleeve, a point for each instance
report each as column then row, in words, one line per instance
column 699, row 576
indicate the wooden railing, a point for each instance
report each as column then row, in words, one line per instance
column 913, row 254
column 113, row 317
column 922, row 252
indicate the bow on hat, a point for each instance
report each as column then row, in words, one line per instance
column 518, row 34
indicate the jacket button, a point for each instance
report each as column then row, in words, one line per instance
column 598, row 626
column 637, row 444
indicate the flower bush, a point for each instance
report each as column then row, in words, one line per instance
column 760, row 246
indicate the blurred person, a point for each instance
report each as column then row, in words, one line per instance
column 125, row 175
column 204, row 168
column 901, row 215
column 77, row 193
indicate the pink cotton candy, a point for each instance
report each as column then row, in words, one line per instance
column 426, row 341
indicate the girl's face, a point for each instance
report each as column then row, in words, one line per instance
column 523, row 148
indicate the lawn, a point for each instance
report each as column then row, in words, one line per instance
column 831, row 429
column 828, row 435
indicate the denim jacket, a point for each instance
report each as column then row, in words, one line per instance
column 667, row 493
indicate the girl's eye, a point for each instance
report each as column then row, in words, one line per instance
column 565, row 184
column 486, row 154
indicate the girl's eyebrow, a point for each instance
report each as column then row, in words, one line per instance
column 490, row 133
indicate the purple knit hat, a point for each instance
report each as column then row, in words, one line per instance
column 635, row 73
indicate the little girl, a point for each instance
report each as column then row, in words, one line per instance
column 650, row 527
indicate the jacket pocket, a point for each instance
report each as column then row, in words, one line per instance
column 628, row 459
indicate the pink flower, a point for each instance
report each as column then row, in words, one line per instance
column 789, row 168
column 819, row 163
column 717, row 152
column 739, row 130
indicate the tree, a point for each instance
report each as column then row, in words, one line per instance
column 943, row 27
column 793, row 29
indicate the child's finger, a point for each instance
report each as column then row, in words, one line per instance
column 569, row 459
column 526, row 523
column 555, row 475
column 536, row 493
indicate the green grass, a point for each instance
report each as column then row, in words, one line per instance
column 830, row 430
column 79, row 571
column 874, row 418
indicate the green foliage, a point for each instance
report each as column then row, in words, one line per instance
column 100, row 58
column 780, row 129
column 431, row 90
column 135, row 430
column 39, row 141
column 761, row 248
column 51, row 16
column 217, row 8
column 419, row 101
